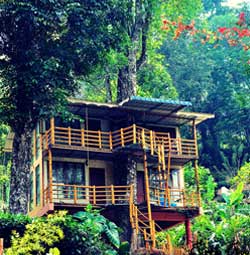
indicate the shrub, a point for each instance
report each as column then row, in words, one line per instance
column 10, row 222
column 39, row 237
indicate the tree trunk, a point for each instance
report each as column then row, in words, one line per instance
column 20, row 171
column 108, row 89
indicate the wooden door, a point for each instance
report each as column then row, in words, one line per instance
column 97, row 178
column 140, row 187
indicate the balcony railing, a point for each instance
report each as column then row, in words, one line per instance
column 108, row 141
column 174, row 198
column 82, row 195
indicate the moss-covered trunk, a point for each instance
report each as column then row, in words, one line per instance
column 20, row 171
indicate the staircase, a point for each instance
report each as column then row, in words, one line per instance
column 142, row 222
column 143, row 226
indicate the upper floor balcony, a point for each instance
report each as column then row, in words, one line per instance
column 129, row 137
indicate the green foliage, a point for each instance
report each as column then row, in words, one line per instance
column 85, row 232
column 217, row 84
column 206, row 182
column 45, row 46
column 11, row 222
column 243, row 175
column 39, row 237
column 223, row 228
column 89, row 233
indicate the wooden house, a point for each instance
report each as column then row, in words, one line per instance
column 125, row 158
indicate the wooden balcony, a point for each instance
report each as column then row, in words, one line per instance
column 78, row 195
column 174, row 198
column 107, row 142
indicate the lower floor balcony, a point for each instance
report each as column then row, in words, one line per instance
column 67, row 196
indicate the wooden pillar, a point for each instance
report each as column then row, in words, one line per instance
column 196, row 168
column 1, row 246
column 195, row 138
column 188, row 233
column 50, row 177
column 151, row 223
column 52, row 128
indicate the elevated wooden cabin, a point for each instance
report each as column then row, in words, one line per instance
column 125, row 157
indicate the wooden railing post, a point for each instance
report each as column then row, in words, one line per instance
column 134, row 134
column 112, row 194
column 1, row 246
column 184, row 198
column 110, row 141
column 69, row 135
column 196, row 169
column 122, row 137
column 75, row 194
column 195, row 138
column 82, row 137
column 179, row 145
column 50, row 177
column 151, row 142
column 52, row 128
column 94, row 195
column 143, row 138
column 100, row 139
column 153, row 234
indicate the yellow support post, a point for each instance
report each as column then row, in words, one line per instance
column 134, row 134
column 143, row 138
column 82, row 137
column 195, row 138
column 75, row 194
column 110, row 141
column 196, row 168
column 122, row 137
column 100, row 139
column 52, row 127
column 94, row 195
column 163, row 157
column 50, row 176
column 147, row 192
column 151, row 142
column 112, row 195
column 69, row 135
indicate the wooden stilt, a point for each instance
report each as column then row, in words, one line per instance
column 188, row 233
column 50, row 176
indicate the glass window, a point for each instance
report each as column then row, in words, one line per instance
column 38, row 190
column 175, row 178
column 37, row 133
column 31, row 204
column 71, row 174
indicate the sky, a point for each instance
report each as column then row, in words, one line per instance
column 234, row 3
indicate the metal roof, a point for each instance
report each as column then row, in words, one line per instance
column 153, row 104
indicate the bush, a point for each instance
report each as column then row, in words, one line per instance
column 10, row 222
column 39, row 237
column 85, row 232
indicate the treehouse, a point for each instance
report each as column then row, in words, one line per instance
column 125, row 157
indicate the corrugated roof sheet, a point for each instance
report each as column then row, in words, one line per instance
column 153, row 104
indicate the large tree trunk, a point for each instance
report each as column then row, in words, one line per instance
column 20, row 171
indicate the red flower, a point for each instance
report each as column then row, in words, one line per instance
column 222, row 30
column 242, row 16
column 244, row 32
column 242, row 19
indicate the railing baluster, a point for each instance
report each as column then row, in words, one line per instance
column 112, row 195
column 82, row 137
column 134, row 134
column 122, row 137
column 100, row 139
column 75, row 194
column 110, row 141
column 94, row 195
column 52, row 128
column 69, row 135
